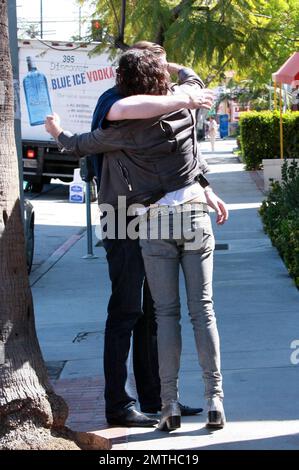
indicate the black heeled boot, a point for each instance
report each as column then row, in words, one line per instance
column 216, row 415
column 170, row 417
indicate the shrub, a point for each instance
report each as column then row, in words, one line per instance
column 260, row 140
column 280, row 215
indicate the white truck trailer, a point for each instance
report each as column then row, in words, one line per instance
column 63, row 78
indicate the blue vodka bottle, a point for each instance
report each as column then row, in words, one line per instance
column 36, row 94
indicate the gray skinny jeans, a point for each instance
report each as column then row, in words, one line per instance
column 163, row 256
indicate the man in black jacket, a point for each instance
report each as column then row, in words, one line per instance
column 118, row 171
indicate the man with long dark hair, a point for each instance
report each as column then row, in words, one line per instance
column 159, row 157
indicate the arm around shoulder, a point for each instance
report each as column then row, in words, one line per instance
column 147, row 106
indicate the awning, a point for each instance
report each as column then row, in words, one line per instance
column 289, row 72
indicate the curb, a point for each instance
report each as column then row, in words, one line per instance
column 258, row 180
column 55, row 257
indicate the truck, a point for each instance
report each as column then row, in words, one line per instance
column 62, row 77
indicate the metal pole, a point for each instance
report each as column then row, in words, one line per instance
column 90, row 254
column 41, row 19
column 79, row 22
column 123, row 20
column 281, row 125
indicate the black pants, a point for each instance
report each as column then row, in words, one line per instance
column 145, row 355
column 126, row 316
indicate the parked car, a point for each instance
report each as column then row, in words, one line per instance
column 29, row 232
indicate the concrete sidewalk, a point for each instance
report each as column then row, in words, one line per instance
column 257, row 307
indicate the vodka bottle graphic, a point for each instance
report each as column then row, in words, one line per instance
column 36, row 95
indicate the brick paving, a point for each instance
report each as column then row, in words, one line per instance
column 85, row 399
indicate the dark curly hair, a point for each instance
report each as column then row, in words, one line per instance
column 140, row 72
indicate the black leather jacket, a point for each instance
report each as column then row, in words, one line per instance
column 146, row 158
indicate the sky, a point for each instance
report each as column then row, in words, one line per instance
column 63, row 17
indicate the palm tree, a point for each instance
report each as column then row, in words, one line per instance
column 32, row 416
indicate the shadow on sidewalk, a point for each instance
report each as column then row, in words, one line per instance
column 230, row 438
column 289, row 441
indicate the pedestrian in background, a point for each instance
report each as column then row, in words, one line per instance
column 213, row 129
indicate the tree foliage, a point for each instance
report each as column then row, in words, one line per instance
column 280, row 215
column 260, row 137
column 253, row 37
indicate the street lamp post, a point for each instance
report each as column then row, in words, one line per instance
column 79, row 22
column 41, row 19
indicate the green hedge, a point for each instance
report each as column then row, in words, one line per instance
column 259, row 133
column 280, row 215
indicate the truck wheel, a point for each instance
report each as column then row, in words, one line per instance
column 30, row 246
column 37, row 187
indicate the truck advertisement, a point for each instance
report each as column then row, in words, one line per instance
column 62, row 78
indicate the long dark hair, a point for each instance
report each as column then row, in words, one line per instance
column 140, row 72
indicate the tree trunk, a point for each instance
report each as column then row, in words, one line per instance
column 31, row 414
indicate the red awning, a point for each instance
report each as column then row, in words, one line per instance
column 289, row 72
